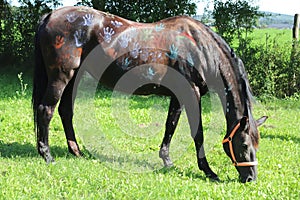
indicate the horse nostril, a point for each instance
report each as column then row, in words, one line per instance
column 249, row 179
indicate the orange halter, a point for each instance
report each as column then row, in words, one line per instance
column 229, row 140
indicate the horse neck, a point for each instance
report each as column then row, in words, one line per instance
column 233, row 97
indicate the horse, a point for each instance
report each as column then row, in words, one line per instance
column 66, row 37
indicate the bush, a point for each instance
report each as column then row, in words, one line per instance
column 273, row 68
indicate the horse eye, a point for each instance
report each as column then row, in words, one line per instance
column 245, row 146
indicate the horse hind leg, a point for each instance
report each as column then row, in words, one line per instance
column 55, row 87
column 65, row 110
column 44, row 115
column 174, row 112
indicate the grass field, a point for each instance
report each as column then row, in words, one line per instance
column 24, row 175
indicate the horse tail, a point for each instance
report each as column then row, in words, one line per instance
column 40, row 79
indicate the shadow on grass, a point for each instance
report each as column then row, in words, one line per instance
column 186, row 173
column 199, row 175
column 281, row 137
column 27, row 150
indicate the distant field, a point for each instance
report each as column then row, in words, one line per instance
column 261, row 36
column 280, row 35
column 24, row 175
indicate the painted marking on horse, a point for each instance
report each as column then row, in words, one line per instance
column 59, row 42
column 188, row 36
column 133, row 32
column 79, row 37
column 155, row 56
column 88, row 18
column 173, row 52
column 124, row 41
column 144, row 54
column 189, row 59
column 116, row 23
column 159, row 27
column 107, row 34
column 136, row 50
column 150, row 73
column 71, row 17
column 146, row 34
column 125, row 63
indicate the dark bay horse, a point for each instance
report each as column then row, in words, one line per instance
column 68, row 36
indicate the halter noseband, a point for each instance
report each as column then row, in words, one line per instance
column 229, row 140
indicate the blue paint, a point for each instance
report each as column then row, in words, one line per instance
column 151, row 72
column 173, row 52
column 159, row 27
column 190, row 59
column 125, row 63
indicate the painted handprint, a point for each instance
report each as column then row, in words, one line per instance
column 79, row 36
column 71, row 17
column 116, row 24
column 88, row 18
column 173, row 52
column 59, row 41
column 135, row 51
column 107, row 34
column 124, row 41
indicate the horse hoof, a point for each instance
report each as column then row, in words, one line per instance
column 76, row 152
column 213, row 177
column 74, row 149
column 168, row 164
column 49, row 160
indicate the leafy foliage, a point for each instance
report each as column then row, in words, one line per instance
column 233, row 18
column 144, row 11
column 18, row 26
column 273, row 67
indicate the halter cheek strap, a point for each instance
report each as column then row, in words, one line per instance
column 229, row 140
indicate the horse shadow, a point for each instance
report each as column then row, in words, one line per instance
column 281, row 137
column 199, row 175
column 28, row 150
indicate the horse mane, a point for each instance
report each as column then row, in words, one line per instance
column 242, row 78
column 249, row 100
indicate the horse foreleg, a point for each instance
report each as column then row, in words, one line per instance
column 65, row 110
column 201, row 158
column 172, row 120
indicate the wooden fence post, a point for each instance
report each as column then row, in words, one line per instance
column 296, row 27
column 295, row 49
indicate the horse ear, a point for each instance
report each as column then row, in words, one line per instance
column 244, row 122
column 261, row 120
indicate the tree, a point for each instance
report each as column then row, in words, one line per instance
column 18, row 25
column 6, row 32
column 143, row 10
column 234, row 18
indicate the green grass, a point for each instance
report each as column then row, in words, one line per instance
column 282, row 37
column 24, row 175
